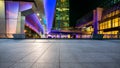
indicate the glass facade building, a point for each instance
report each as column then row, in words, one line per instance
column 62, row 15
column 105, row 20
column 109, row 25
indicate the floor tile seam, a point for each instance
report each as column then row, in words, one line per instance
column 62, row 62
column 59, row 56
column 41, row 55
column 22, row 58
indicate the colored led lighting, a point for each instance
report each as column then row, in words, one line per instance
column 38, row 14
column 49, row 6
column 12, row 12
column 25, row 6
column 33, row 21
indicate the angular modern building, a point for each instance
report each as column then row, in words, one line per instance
column 21, row 18
column 15, row 15
column 103, row 21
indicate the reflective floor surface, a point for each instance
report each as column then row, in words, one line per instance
column 42, row 53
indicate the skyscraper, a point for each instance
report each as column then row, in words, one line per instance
column 62, row 15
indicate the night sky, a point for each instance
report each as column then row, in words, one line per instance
column 79, row 8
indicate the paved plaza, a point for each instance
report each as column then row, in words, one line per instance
column 41, row 53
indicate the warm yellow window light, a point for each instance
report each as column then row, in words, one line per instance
column 109, row 15
column 116, row 32
column 113, row 23
column 113, row 13
column 103, row 25
column 109, row 24
column 101, row 32
column 116, row 22
column 119, row 21
column 106, row 25
column 62, row 0
column 117, row 12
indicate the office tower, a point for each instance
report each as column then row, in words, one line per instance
column 62, row 15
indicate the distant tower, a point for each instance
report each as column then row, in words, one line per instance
column 62, row 15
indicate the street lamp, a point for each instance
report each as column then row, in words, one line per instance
column 38, row 14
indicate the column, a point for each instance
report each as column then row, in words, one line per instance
column 97, row 14
column 20, row 27
column 2, row 20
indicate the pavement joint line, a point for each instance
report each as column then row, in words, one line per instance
column 22, row 57
column 59, row 56
column 111, row 50
column 41, row 55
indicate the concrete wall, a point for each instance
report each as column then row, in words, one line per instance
column 2, row 20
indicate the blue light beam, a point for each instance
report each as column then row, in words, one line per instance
column 49, row 6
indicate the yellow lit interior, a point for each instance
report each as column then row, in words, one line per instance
column 111, row 23
column 111, row 14
column 90, row 30
column 110, row 34
column 117, row 12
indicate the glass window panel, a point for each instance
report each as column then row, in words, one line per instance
column 113, row 23
column 119, row 21
column 109, row 24
column 117, row 12
column 101, row 32
column 103, row 25
column 113, row 13
column 109, row 15
column 116, row 22
column 100, row 26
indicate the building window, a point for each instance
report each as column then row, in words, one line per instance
column 119, row 21
column 117, row 12
column 112, row 23
column 115, row 22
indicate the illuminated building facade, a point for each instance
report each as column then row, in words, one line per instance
column 62, row 15
column 110, row 23
column 105, row 20
column 15, row 15
column 19, row 16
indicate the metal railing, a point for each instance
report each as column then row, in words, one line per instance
column 77, row 36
